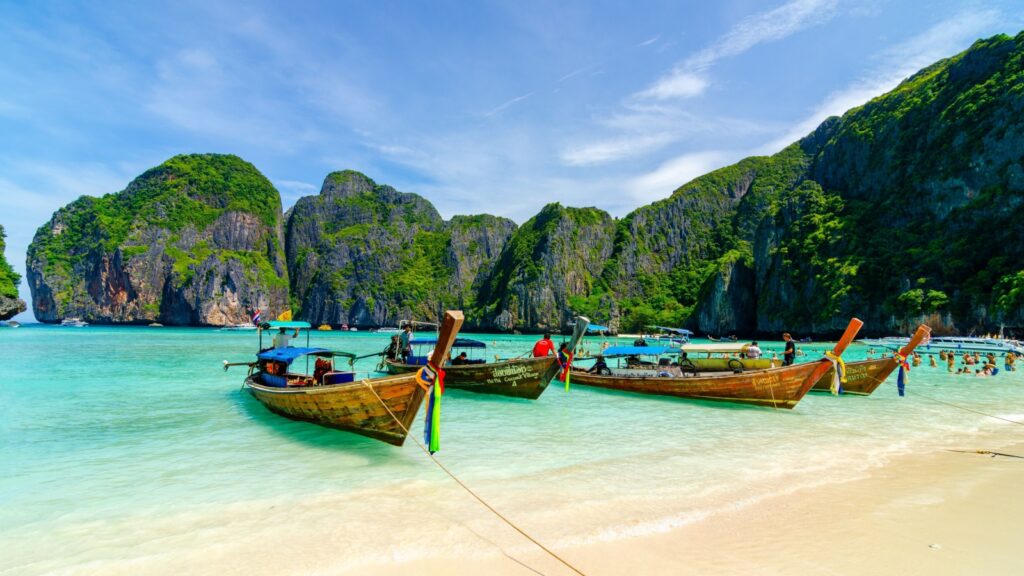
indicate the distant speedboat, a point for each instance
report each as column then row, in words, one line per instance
column 324, row 328
column 155, row 325
column 954, row 343
column 74, row 322
column 239, row 327
column 11, row 324
column 386, row 330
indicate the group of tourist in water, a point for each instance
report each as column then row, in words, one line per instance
column 971, row 363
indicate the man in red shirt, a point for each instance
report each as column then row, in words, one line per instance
column 544, row 346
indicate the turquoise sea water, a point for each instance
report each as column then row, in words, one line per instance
column 129, row 450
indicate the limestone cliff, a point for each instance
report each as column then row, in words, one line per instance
column 10, row 303
column 902, row 209
column 367, row 255
column 194, row 241
column 550, row 263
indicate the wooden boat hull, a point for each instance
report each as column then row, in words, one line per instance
column 777, row 387
column 519, row 378
column 731, row 364
column 351, row 406
column 862, row 378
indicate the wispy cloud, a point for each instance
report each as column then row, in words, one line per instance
column 676, row 172
column 688, row 78
column 579, row 71
column 616, row 148
column 893, row 65
column 507, row 104
column 776, row 24
column 678, row 84
column 649, row 41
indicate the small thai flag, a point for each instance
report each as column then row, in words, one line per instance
column 256, row 316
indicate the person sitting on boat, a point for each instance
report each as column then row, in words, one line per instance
column 460, row 360
column 404, row 347
column 600, row 367
column 544, row 346
column 1008, row 362
column 790, row 352
column 282, row 339
column 641, row 341
column 393, row 349
column 754, row 351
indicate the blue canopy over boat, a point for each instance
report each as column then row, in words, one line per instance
column 597, row 328
column 638, row 350
column 287, row 355
column 287, row 325
column 459, row 342
column 680, row 331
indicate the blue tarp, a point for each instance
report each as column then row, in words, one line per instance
column 597, row 328
column 681, row 331
column 459, row 342
column 274, row 324
column 286, row 355
column 638, row 350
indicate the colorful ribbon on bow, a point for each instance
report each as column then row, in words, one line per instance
column 566, row 369
column 838, row 372
column 432, row 377
column 904, row 374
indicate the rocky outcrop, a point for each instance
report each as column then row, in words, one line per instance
column 367, row 255
column 10, row 304
column 548, row 268
column 904, row 208
column 194, row 241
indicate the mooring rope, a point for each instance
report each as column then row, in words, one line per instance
column 987, row 452
column 470, row 490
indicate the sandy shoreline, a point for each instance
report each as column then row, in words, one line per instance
column 934, row 513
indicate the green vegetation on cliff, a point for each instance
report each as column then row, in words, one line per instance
column 9, row 279
column 179, row 225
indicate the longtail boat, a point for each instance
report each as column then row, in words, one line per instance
column 864, row 376
column 381, row 408
column 775, row 387
column 517, row 377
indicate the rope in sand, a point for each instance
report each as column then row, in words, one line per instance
column 474, row 494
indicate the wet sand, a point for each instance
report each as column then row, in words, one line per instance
column 937, row 513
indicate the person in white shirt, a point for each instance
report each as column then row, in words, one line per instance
column 282, row 339
column 753, row 351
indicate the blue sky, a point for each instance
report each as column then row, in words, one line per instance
column 495, row 107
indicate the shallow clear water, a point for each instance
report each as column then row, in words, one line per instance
column 131, row 450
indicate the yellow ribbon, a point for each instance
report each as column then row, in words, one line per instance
column 839, row 375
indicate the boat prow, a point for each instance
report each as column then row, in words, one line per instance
column 865, row 376
column 382, row 408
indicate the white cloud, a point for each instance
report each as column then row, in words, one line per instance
column 615, row 149
column 649, row 41
column 769, row 26
column 676, row 172
column 677, row 84
column 507, row 104
column 891, row 67
column 687, row 80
